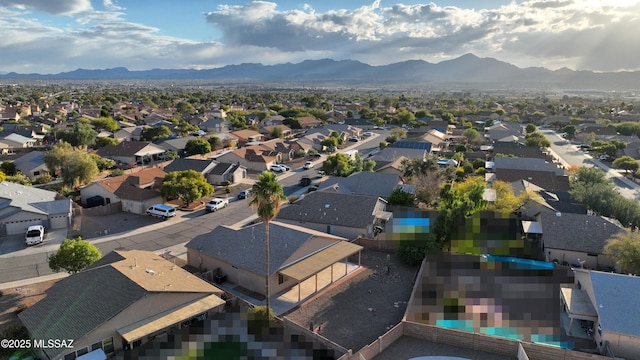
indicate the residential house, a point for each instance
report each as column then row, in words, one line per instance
column 520, row 150
column 296, row 254
column 254, row 157
column 31, row 164
column 574, row 239
column 267, row 131
column 537, row 171
column 215, row 125
column 16, row 141
column 118, row 303
column 544, row 200
column 280, row 147
column 129, row 133
column 136, row 192
column 363, row 124
column 345, row 131
column 346, row 215
column 605, row 302
column 246, row 136
column 597, row 129
column 504, row 130
column 227, row 172
column 272, row 120
column 155, row 119
column 363, row 183
column 199, row 165
column 309, row 122
column 389, row 159
column 176, row 145
column 23, row 206
column 132, row 152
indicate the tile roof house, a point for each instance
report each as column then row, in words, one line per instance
column 136, row 192
column 520, row 150
column 118, row 303
column 607, row 303
column 363, row 183
column 177, row 145
column 346, row 215
column 296, row 254
column 308, row 121
column 132, row 152
column 215, row 125
column 546, row 200
column 268, row 130
column 570, row 238
column 245, row 136
column 182, row 164
column 31, row 164
column 22, row 206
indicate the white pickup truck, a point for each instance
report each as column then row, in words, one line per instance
column 217, row 204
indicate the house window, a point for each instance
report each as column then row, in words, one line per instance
column 108, row 345
column 82, row 351
column 96, row 346
column 281, row 279
column 36, row 173
column 70, row 356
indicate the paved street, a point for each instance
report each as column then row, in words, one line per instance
column 570, row 154
column 18, row 262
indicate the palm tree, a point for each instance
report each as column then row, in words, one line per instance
column 268, row 198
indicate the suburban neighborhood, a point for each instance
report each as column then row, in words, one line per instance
column 321, row 224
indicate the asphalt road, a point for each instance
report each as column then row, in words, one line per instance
column 570, row 154
column 32, row 262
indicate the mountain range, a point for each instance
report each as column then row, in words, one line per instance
column 467, row 70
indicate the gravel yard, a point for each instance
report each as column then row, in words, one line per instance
column 354, row 313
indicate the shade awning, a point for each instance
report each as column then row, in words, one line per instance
column 384, row 215
column 307, row 267
column 578, row 303
column 168, row 318
column 531, row 227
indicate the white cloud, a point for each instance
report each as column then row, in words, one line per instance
column 55, row 7
column 580, row 34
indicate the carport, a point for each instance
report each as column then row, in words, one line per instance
column 313, row 264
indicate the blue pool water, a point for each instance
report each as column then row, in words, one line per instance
column 521, row 263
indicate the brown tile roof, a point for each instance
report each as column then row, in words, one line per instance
column 245, row 134
column 308, row 120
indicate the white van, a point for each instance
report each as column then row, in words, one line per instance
column 163, row 211
column 35, row 235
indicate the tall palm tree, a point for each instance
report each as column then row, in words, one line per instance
column 267, row 198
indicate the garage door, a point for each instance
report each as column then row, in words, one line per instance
column 59, row 222
column 21, row 227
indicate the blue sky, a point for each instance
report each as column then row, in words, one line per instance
column 50, row 36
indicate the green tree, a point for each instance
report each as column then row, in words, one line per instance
column 570, row 130
column 214, row 141
column 426, row 175
column 627, row 163
column 471, row 134
column 624, row 248
column 292, row 123
column 105, row 123
column 8, row 168
column 400, row 198
column 277, row 133
column 80, row 135
column 197, row 146
column 530, row 128
column 339, row 165
column 537, row 139
column 102, row 163
column 104, row 141
column 185, row 128
column 75, row 166
column 153, row 133
column 187, row 185
column 74, row 255
column 267, row 198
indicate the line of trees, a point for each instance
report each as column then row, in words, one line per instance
column 590, row 187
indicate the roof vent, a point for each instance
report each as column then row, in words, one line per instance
column 558, row 214
column 150, row 272
column 327, row 206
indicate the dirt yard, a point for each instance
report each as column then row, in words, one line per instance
column 354, row 313
column 14, row 300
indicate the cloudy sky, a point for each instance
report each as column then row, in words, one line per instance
column 51, row 36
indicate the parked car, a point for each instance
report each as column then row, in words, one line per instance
column 216, row 204
column 35, row 235
column 277, row 168
column 320, row 173
column 161, row 210
column 305, row 181
column 353, row 139
column 244, row 194
column 308, row 165
column 286, row 168
column 314, row 156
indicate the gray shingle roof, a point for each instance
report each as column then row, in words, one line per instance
column 617, row 300
column 80, row 303
column 30, row 160
column 531, row 164
column 182, row 164
column 366, row 183
column 245, row 247
column 350, row 210
column 577, row 232
column 27, row 198
column 221, row 168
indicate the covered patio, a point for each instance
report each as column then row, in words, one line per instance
column 315, row 264
column 577, row 306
